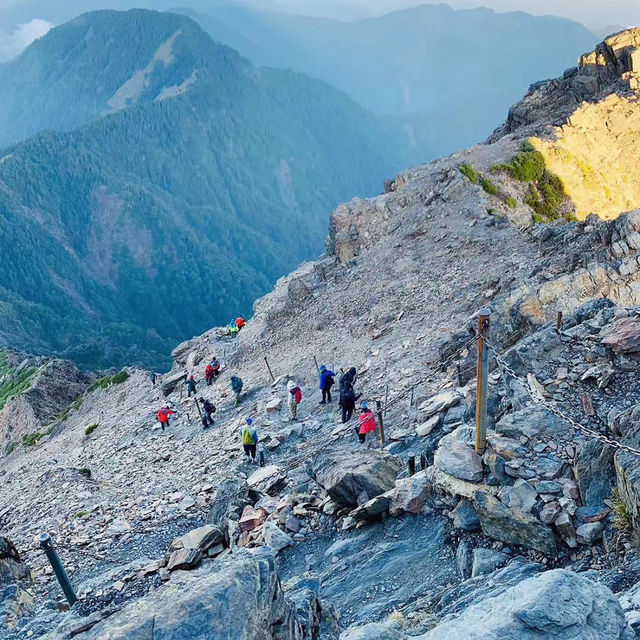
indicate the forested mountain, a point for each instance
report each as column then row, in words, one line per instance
column 195, row 182
column 450, row 76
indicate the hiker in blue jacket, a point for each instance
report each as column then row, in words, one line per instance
column 326, row 382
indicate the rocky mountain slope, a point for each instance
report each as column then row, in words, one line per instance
column 164, row 533
column 179, row 178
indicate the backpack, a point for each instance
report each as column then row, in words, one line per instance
column 297, row 395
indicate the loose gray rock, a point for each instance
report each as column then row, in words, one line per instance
column 486, row 561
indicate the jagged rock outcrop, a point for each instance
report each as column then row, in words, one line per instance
column 240, row 597
column 40, row 391
column 15, row 578
column 557, row 605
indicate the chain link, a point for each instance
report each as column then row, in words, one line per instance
column 537, row 398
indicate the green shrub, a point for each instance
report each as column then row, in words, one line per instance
column 546, row 197
column 11, row 448
column 512, row 203
column 90, row 429
column 107, row 381
column 468, row 171
column 489, row 187
column 85, row 472
column 16, row 381
column 32, row 439
column 81, row 514
column 527, row 166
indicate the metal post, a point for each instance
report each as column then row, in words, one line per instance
column 46, row 544
column 423, row 461
column 261, row 457
column 411, row 399
column 459, row 372
column 412, row 464
column 268, row 367
column 559, row 322
column 381, row 421
column 481, row 386
column 317, row 367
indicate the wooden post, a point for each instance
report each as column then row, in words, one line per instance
column 559, row 322
column 386, row 398
column 411, row 462
column 482, row 381
column 459, row 372
column 380, row 421
column 261, row 457
column 317, row 367
column 411, row 398
column 268, row 367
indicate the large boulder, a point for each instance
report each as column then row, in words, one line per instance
column 456, row 456
column 513, row 527
column 346, row 477
column 239, row 597
column 595, row 473
column 556, row 605
column 622, row 335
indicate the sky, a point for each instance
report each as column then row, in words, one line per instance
column 21, row 21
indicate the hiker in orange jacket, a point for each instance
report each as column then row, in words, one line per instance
column 208, row 374
column 163, row 416
column 240, row 322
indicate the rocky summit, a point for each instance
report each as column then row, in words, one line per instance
column 175, row 533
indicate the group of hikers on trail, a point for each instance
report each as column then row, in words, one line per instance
column 347, row 401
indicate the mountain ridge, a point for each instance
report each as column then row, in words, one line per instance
column 221, row 187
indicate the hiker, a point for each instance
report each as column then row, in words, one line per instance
column 208, row 375
column 215, row 366
column 236, row 386
column 367, row 423
column 350, row 376
column 163, row 416
column 347, row 401
column 153, row 377
column 295, row 396
column 326, row 382
column 209, row 409
column 191, row 386
column 249, row 440
column 240, row 322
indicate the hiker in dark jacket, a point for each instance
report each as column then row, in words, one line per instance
column 236, row 386
column 191, row 386
column 326, row 382
column 209, row 410
column 347, row 401
column 350, row 376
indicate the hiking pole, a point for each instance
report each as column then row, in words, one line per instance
column 46, row 544
column 268, row 367
column 198, row 408
column 484, row 316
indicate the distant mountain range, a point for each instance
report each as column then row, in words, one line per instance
column 448, row 76
column 171, row 184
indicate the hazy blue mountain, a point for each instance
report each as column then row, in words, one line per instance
column 195, row 182
column 450, row 75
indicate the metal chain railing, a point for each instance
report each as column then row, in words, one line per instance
column 538, row 399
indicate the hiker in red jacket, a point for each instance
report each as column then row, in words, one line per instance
column 295, row 397
column 163, row 416
column 240, row 322
column 208, row 375
column 367, row 423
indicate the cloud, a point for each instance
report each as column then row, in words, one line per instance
column 11, row 44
